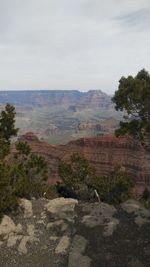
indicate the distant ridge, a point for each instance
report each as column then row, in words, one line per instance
column 59, row 116
column 55, row 97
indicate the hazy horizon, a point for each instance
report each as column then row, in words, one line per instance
column 33, row 90
column 72, row 45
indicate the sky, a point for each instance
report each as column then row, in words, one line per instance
column 72, row 44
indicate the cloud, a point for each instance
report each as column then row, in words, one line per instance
column 72, row 44
column 138, row 19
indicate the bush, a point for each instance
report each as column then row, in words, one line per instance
column 30, row 172
column 76, row 177
column 79, row 180
column 25, row 175
column 115, row 188
column 8, row 199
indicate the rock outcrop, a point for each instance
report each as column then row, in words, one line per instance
column 99, row 235
column 103, row 152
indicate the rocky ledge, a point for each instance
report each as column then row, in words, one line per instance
column 64, row 232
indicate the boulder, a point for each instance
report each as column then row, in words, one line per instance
column 76, row 257
column 61, row 208
column 26, row 205
column 142, row 215
column 8, row 227
column 97, row 214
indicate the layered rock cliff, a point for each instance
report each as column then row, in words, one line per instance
column 92, row 98
column 103, row 152
column 59, row 116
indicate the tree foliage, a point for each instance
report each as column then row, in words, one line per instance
column 7, row 123
column 7, row 129
column 77, row 176
column 133, row 97
column 114, row 188
column 80, row 180
column 30, row 172
column 25, row 174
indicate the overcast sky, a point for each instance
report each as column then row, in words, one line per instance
column 72, row 44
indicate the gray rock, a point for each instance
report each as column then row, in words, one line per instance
column 22, row 246
column 61, row 208
column 75, row 256
column 26, row 205
column 12, row 240
column 58, row 224
column 100, row 214
column 63, row 245
column 110, row 227
column 8, row 227
column 142, row 215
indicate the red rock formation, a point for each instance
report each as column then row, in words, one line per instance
column 103, row 152
column 29, row 137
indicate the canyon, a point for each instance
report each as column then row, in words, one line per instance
column 66, row 122
column 104, row 152
column 59, row 116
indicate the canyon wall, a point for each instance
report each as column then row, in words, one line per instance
column 103, row 152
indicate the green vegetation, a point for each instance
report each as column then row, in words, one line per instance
column 23, row 174
column 115, row 188
column 133, row 97
column 77, row 177
column 7, row 129
column 80, row 181
column 30, row 172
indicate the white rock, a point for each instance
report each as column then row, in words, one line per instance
column 63, row 245
column 62, row 208
column 8, row 227
column 27, row 207
column 12, row 240
column 22, row 246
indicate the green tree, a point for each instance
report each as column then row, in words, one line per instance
column 7, row 129
column 77, row 176
column 7, row 123
column 133, row 97
column 80, row 180
column 8, row 199
column 30, row 172
column 23, row 174
column 114, row 188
